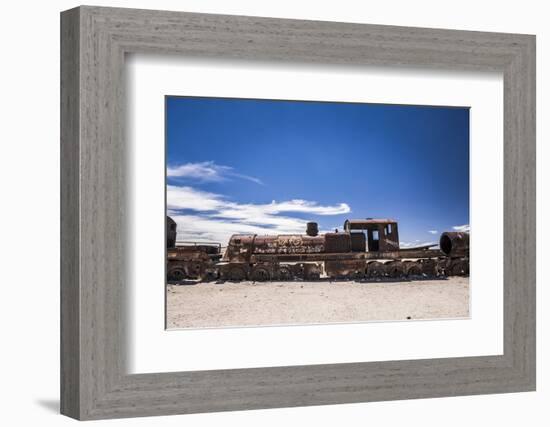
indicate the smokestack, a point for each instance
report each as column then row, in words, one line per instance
column 312, row 229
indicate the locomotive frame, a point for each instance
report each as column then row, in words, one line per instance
column 95, row 382
column 365, row 249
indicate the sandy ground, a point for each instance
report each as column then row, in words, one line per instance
column 278, row 303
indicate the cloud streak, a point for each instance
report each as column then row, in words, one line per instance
column 463, row 228
column 207, row 172
column 206, row 216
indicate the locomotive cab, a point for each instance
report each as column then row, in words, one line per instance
column 374, row 235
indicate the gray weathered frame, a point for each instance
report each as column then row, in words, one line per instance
column 94, row 41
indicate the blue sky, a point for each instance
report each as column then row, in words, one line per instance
column 268, row 167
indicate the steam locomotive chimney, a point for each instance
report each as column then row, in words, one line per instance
column 312, row 229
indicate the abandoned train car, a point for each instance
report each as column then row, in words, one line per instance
column 366, row 248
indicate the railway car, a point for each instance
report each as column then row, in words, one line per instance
column 189, row 260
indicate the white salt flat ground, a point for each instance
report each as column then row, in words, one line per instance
column 279, row 303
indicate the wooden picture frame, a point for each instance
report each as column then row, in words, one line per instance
column 94, row 382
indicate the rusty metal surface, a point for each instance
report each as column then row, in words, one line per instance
column 188, row 263
column 371, row 252
column 312, row 229
column 455, row 243
column 358, row 242
column 361, row 224
column 346, row 268
column 382, row 233
column 242, row 247
column 297, row 257
column 337, row 242
column 171, row 232
column 189, row 260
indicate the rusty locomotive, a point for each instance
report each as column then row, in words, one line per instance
column 364, row 249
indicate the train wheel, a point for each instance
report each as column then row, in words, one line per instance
column 209, row 276
column 195, row 270
column 285, row 274
column 312, row 272
column 357, row 275
column 260, row 274
column 459, row 268
column 176, row 275
column 440, row 268
column 394, row 269
column 313, row 275
column 427, row 267
column 466, row 264
column 375, row 269
column 237, row 274
column 414, row 270
column 455, row 269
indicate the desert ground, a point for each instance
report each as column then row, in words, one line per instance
column 206, row 305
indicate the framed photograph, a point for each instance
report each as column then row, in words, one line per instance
column 266, row 229
column 262, row 213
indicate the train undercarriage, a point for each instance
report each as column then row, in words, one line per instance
column 264, row 269
column 362, row 268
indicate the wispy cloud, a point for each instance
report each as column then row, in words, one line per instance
column 207, row 172
column 463, row 228
column 432, row 231
column 190, row 198
column 215, row 217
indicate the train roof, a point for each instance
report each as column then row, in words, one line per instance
column 351, row 224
